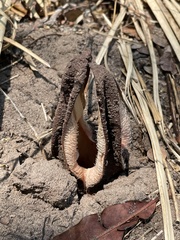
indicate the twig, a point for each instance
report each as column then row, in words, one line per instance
column 28, row 51
column 10, row 65
column 44, row 112
column 157, row 235
column 145, row 233
column 8, row 80
column 45, row 134
column 114, row 37
column 130, row 231
column 106, row 19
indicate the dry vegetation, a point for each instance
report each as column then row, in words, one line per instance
column 129, row 23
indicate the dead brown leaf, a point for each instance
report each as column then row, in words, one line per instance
column 112, row 222
column 166, row 61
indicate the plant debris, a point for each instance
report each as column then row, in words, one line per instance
column 112, row 223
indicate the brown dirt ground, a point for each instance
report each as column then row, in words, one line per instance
column 38, row 197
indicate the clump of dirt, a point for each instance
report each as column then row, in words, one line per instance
column 39, row 197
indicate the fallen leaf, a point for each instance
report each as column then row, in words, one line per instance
column 144, row 50
column 72, row 14
column 130, row 31
column 166, row 61
column 148, row 69
column 159, row 40
column 112, row 222
column 136, row 45
column 159, row 37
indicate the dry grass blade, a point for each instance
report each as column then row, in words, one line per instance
column 161, row 177
column 156, row 115
column 176, row 4
column 10, row 65
column 177, row 98
column 173, row 147
column 143, row 105
column 138, row 29
column 80, row 18
column 3, row 20
column 45, row 134
column 13, row 35
column 136, row 23
column 114, row 11
column 44, row 112
column 173, row 192
column 111, row 34
column 170, row 19
column 106, row 19
column 18, row 45
column 30, row 61
column 129, row 105
column 126, row 54
column 127, row 58
column 173, row 11
column 129, row 68
column 165, row 26
column 152, row 56
column 5, row 15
